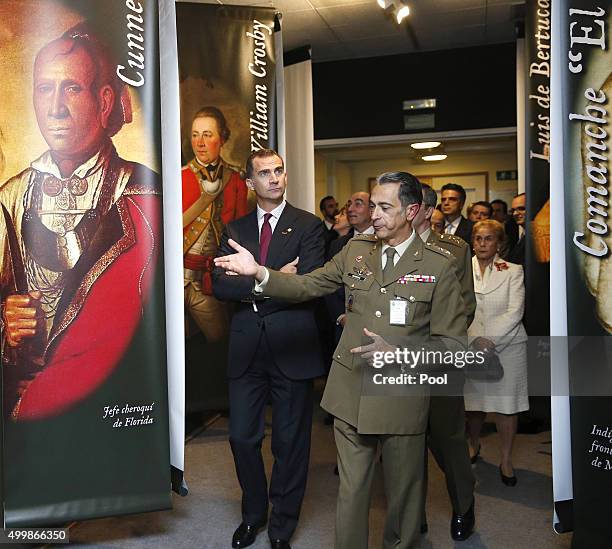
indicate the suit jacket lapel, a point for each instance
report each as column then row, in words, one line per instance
column 494, row 279
column 285, row 228
column 250, row 238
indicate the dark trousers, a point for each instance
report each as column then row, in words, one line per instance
column 448, row 444
column 291, row 426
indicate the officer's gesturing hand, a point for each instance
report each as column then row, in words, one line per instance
column 378, row 345
column 242, row 262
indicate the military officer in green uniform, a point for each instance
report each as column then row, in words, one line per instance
column 397, row 288
column 446, row 432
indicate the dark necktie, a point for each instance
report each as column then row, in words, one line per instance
column 389, row 264
column 264, row 239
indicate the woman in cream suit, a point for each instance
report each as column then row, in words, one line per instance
column 500, row 299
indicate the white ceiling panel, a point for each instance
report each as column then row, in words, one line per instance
column 339, row 29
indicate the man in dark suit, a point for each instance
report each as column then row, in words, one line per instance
column 453, row 200
column 328, row 207
column 517, row 253
column 500, row 213
column 274, row 352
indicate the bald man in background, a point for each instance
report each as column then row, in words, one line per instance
column 437, row 221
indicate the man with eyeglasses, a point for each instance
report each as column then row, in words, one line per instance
column 274, row 353
column 517, row 254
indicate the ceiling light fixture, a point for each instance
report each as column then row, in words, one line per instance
column 401, row 14
column 433, row 157
column 398, row 9
column 426, row 145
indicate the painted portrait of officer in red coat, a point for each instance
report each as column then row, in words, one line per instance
column 80, row 234
column 214, row 193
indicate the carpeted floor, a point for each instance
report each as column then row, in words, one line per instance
column 506, row 518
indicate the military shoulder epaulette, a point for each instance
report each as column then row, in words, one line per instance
column 365, row 237
column 437, row 249
column 452, row 239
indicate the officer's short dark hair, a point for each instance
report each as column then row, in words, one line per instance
column 457, row 188
column 517, row 195
column 430, row 197
column 214, row 112
column 261, row 153
column 500, row 201
column 485, row 204
column 409, row 187
column 324, row 200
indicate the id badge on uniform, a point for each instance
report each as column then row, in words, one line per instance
column 397, row 311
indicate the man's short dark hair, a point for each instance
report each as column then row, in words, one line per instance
column 517, row 195
column 502, row 202
column 214, row 112
column 457, row 188
column 430, row 197
column 324, row 200
column 486, row 204
column 409, row 187
column 261, row 153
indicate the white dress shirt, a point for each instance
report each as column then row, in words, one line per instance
column 276, row 213
column 451, row 227
column 369, row 230
column 399, row 249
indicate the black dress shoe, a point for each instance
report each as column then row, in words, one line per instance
column 424, row 528
column 462, row 526
column 508, row 481
column 279, row 544
column 245, row 534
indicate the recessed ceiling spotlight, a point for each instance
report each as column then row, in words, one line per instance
column 401, row 14
column 433, row 157
column 384, row 4
column 426, row 145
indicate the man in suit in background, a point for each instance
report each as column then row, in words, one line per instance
column 437, row 221
column 517, row 253
column 446, row 429
column 500, row 213
column 329, row 210
column 453, row 200
column 274, row 352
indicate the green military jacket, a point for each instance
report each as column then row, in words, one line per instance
column 462, row 252
column 434, row 308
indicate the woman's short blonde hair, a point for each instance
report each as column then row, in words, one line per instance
column 494, row 226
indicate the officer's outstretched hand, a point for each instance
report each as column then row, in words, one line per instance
column 242, row 262
column 378, row 345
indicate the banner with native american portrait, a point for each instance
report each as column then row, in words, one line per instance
column 84, row 399
column 228, row 96
column 582, row 87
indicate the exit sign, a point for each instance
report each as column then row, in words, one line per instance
column 507, row 175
